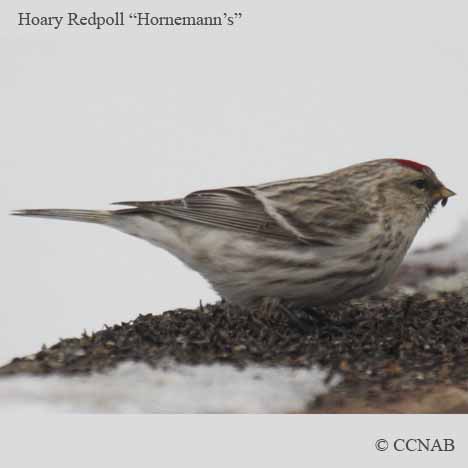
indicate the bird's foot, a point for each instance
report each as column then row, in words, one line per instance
column 308, row 320
column 302, row 319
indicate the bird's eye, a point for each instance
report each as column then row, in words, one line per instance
column 420, row 184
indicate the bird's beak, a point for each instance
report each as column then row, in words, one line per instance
column 443, row 193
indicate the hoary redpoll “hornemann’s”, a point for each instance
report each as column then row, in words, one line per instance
column 309, row 241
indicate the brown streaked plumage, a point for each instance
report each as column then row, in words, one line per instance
column 312, row 240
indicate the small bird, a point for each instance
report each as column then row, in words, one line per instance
column 308, row 241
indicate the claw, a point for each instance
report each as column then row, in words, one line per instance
column 300, row 321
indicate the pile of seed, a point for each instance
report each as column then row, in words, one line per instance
column 381, row 348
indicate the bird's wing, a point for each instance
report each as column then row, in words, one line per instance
column 235, row 208
column 321, row 208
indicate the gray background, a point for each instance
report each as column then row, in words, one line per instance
column 297, row 88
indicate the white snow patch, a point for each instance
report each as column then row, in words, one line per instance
column 457, row 282
column 138, row 388
column 455, row 252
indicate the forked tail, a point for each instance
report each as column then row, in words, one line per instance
column 86, row 216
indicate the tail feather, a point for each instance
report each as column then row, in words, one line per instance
column 86, row 216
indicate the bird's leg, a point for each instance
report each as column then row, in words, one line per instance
column 306, row 320
column 268, row 307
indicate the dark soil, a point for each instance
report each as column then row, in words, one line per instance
column 384, row 349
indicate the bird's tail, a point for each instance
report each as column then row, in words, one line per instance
column 86, row 216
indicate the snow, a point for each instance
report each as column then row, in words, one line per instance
column 453, row 253
column 454, row 283
column 138, row 388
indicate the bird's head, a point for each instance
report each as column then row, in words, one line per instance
column 402, row 187
column 419, row 185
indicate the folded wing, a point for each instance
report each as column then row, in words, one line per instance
column 235, row 208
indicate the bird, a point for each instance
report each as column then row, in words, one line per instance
column 307, row 241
